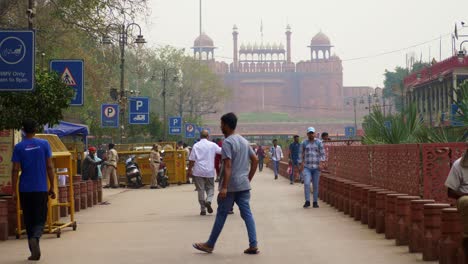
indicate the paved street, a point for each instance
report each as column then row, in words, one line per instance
column 159, row 226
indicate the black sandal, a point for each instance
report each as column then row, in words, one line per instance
column 252, row 251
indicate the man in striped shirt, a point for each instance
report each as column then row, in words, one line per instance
column 311, row 153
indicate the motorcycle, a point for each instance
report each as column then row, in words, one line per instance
column 132, row 171
column 162, row 179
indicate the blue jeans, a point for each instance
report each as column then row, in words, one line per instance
column 242, row 200
column 294, row 166
column 276, row 167
column 309, row 174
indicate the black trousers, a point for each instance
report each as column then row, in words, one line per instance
column 34, row 206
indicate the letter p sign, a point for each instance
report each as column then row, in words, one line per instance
column 139, row 104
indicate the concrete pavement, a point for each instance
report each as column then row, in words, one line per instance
column 159, row 226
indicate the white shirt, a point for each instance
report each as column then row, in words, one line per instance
column 203, row 153
column 457, row 179
column 276, row 153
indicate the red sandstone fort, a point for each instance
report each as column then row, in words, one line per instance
column 263, row 78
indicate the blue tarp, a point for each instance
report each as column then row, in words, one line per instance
column 68, row 129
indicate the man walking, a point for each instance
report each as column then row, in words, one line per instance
column 235, row 184
column 458, row 189
column 310, row 155
column 111, row 168
column 261, row 157
column 34, row 157
column 201, row 169
column 276, row 156
column 294, row 158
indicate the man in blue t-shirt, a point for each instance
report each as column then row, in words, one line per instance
column 33, row 157
column 239, row 166
column 294, row 158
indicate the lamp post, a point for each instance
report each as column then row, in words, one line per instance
column 123, row 31
column 165, row 75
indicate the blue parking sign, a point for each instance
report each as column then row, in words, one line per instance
column 350, row 131
column 175, row 125
column 72, row 74
column 17, row 65
column 110, row 115
column 139, row 110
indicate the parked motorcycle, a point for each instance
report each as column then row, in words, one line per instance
column 162, row 179
column 133, row 173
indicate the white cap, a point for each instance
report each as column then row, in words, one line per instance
column 310, row 130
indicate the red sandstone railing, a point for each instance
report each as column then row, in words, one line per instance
column 415, row 169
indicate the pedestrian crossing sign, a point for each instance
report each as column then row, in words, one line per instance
column 67, row 77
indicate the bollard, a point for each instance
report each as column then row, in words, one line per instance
column 365, row 204
column 390, row 218
column 402, row 213
column 77, row 179
column 84, row 195
column 357, row 201
column 331, row 191
column 451, row 251
column 380, row 211
column 371, row 211
column 90, row 193
column 347, row 197
column 432, row 223
column 416, row 230
column 77, row 195
column 63, row 198
column 3, row 220
column 95, row 192
column 339, row 195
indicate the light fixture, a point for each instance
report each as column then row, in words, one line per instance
column 106, row 40
column 140, row 40
column 461, row 56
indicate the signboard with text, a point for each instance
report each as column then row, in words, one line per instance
column 139, row 110
column 175, row 125
column 110, row 115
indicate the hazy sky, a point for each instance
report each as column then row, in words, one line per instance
column 357, row 28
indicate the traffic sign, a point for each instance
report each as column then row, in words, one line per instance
column 110, row 115
column 175, row 125
column 350, row 131
column 72, row 74
column 139, row 111
column 17, row 65
column 388, row 125
column 190, row 130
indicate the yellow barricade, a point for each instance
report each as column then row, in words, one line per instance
column 176, row 166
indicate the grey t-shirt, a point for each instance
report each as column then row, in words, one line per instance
column 237, row 149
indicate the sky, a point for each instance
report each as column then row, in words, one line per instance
column 360, row 29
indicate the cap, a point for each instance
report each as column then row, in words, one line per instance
column 91, row 149
column 310, row 130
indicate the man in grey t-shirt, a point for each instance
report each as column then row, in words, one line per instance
column 240, row 164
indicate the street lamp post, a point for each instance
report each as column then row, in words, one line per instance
column 122, row 30
column 165, row 74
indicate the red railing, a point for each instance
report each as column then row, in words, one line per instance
column 416, row 169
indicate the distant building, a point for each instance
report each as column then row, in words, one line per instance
column 433, row 89
column 263, row 78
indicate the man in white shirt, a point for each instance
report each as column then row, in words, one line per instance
column 276, row 156
column 457, row 184
column 202, row 171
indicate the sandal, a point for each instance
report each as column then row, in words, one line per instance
column 203, row 247
column 251, row 251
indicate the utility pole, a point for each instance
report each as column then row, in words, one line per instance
column 30, row 13
column 164, row 79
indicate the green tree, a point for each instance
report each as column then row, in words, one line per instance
column 45, row 104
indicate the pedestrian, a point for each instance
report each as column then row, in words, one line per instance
column 458, row 189
column 240, row 164
column 90, row 170
column 111, row 167
column 261, row 157
column 201, row 169
column 311, row 153
column 155, row 161
column 217, row 164
column 294, row 158
column 276, row 154
column 325, row 136
column 33, row 157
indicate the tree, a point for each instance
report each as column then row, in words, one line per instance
column 45, row 104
